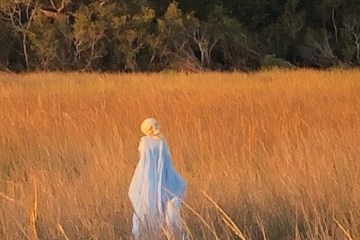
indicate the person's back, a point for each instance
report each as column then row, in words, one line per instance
column 148, row 143
column 156, row 190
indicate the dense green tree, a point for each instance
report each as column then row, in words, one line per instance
column 316, row 50
column 351, row 38
column 350, row 32
column 149, row 35
column 255, row 14
column 172, row 44
column 132, row 33
column 51, row 42
column 285, row 35
column 90, row 27
column 230, row 37
column 5, row 45
column 19, row 16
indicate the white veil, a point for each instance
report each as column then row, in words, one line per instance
column 156, row 189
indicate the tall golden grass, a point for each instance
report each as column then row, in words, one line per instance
column 270, row 155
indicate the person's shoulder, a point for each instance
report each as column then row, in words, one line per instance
column 151, row 140
column 142, row 143
column 145, row 138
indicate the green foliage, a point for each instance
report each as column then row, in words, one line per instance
column 138, row 35
column 5, row 45
column 285, row 35
column 271, row 61
column 228, row 38
column 351, row 36
column 49, row 40
column 172, row 45
column 316, row 51
column 92, row 22
column 221, row 25
column 131, row 34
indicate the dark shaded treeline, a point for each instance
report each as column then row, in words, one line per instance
column 149, row 35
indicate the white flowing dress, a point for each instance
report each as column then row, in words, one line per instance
column 156, row 190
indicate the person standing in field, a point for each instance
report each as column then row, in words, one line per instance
column 156, row 189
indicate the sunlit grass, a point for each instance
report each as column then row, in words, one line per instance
column 277, row 151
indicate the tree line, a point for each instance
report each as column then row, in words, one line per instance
column 154, row 35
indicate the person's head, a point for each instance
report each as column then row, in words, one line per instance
column 151, row 127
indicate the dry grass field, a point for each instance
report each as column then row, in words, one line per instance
column 277, row 153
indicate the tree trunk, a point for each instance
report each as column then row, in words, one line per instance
column 357, row 43
column 25, row 50
column 335, row 27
